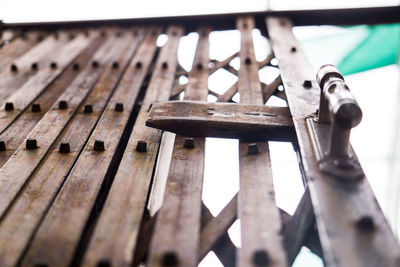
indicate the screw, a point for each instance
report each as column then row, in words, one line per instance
column 64, row 148
column 252, row 149
column 95, row 64
column 9, row 106
column 247, row 61
column 170, row 259
column 88, row 108
column 307, row 84
column 189, row 143
column 141, row 146
column 365, row 223
column 36, row 107
column 53, row 65
column 261, row 258
column 293, row 49
column 76, row 66
column 138, row 65
column 115, row 65
column 34, row 66
column 31, row 143
column 62, row 104
column 164, row 66
column 98, row 145
column 2, row 145
column 119, row 107
column 14, row 68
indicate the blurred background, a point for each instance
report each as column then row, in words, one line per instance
column 368, row 56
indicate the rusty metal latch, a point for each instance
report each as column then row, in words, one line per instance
column 330, row 128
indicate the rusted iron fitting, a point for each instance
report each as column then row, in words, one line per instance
column 338, row 107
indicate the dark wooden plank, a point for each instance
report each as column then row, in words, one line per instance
column 261, row 242
column 340, row 208
column 14, row 135
column 202, row 119
column 115, row 236
column 181, row 211
column 30, row 206
column 61, row 229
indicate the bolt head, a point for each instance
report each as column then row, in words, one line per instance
column 2, row 145
column 64, row 148
column 53, row 65
column 31, row 143
column 95, row 64
column 62, row 104
column 88, row 108
column 189, row 143
column 115, row 65
column 252, row 149
column 307, row 84
column 260, row 258
column 293, row 49
column 13, row 68
column 138, row 65
column 119, row 107
column 9, row 106
column 164, row 65
column 76, row 66
column 365, row 223
column 247, row 61
column 141, row 146
column 170, row 259
column 98, row 145
column 36, row 107
column 35, row 66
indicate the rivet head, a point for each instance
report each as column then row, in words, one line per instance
column 9, row 106
column 252, row 149
column 247, row 61
column 62, row 104
column 53, row 65
column 95, row 63
column 31, row 143
column 76, row 66
column 293, row 49
column 36, row 107
column 189, row 142
column 141, row 146
column 164, row 65
column 2, row 145
column 260, row 258
column 34, row 66
column 13, row 68
column 307, row 84
column 98, row 145
column 64, row 148
column 115, row 65
column 170, row 259
column 88, row 108
column 119, row 107
column 365, row 223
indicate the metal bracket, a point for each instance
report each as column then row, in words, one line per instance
column 330, row 128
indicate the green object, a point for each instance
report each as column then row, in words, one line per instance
column 380, row 48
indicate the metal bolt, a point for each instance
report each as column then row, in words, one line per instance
column 9, row 106
column 170, row 259
column 252, row 149
column 62, row 104
column 2, row 145
column 119, row 107
column 64, row 148
column 103, row 263
column 189, row 142
column 36, row 107
column 141, row 146
column 14, row 68
column 34, row 66
column 366, row 223
column 199, row 66
column 307, row 84
column 164, row 66
column 95, row 63
column 98, row 145
column 31, row 143
column 115, row 65
column 88, row 108
column 138, row 65
column 53, row 65
column 76, row 66
column 261, row 258
column 247, row 61
column 293, row 49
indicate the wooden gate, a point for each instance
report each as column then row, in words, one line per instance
column 82, row 177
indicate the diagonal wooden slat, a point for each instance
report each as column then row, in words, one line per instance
column 180, row 214
column 222, row 64
column 115, row 236
column 269, row 89
column 341, row 209
column 227, row 96
column 59, row 233
column 261, row 242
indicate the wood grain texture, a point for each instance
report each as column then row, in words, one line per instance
column 60, row 231
column 338, row 206
column 180, row 214
column 261, row 241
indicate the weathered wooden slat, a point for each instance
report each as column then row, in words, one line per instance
column 223, row 63
column 30, row 206
column 261, row 241
column 180, row 214
column 14, row 135
column 61, row 229
column 269, row 89
column 351, row 225
column 202, row 119
column 115, row 236
column 227, row 96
